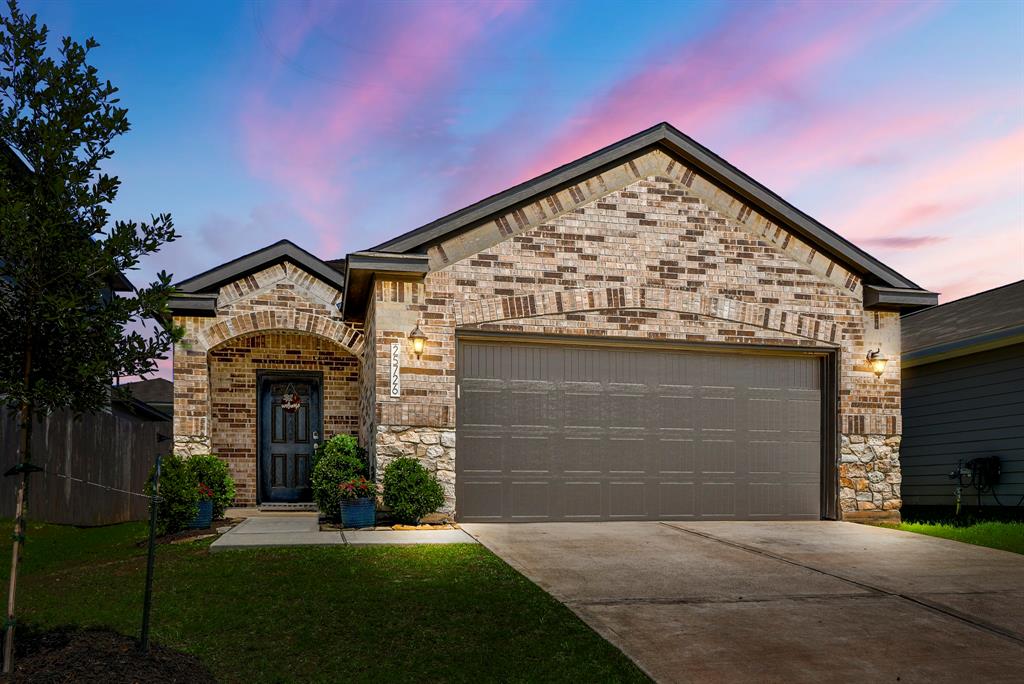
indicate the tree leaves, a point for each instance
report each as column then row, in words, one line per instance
column 61, row 258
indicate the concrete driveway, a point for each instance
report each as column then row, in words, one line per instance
column 781, row 602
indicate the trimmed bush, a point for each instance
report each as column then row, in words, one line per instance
column 213, row 472
column 336, row 460
column 179, row 495
column 410, row 491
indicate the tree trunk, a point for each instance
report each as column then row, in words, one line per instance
column 25, row 446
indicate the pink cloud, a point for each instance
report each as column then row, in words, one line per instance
column 756, row 56
column 976, row 174
column 308, row 148
column 905, row 242
column 871, row 133
column 974, row 262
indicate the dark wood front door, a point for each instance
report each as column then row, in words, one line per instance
column 290, row 428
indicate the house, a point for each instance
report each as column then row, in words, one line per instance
column 156, row 392
column 644, row 333
column 963, row 403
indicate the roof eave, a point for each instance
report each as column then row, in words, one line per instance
column 363, row 267
column 880, row 298
column 669, row 138
column 972, row 345
column 276, row 253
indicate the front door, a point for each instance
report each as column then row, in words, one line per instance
column 289, row 430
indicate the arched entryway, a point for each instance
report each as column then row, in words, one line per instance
column 274, row 395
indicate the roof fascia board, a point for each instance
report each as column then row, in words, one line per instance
column 255, row 261
column 898, row 298
column 690, row 151
column 971, row 345
column 188, row 304
column 363, row 267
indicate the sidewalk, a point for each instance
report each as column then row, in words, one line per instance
column 302, row 529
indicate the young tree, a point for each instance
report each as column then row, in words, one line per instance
column 64, row 333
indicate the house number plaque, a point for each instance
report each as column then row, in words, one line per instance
column 396, row 368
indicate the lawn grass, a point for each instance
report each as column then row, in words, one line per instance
column 1008, row 536
column 453, row 613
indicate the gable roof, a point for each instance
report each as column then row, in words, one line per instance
column 282, row 250
column 197, row 296
column 986, row 320
column 689, row 152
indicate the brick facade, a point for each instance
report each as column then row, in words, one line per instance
column 280, row 319
column 234, row 366
column 650, row 250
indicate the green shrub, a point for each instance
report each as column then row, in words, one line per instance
column 336, row 460
column 213, row 472
column 410, row 491
column 179, row 495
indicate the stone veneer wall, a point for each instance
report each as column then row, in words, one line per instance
column 279, row 318
column 649, row 249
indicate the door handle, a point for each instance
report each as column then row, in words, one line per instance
column 316, row 436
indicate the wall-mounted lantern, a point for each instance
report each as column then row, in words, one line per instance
column 877, row 362
column 418, row 339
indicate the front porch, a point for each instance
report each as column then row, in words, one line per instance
column 269, row 334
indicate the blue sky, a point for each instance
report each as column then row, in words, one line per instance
column 339, row 125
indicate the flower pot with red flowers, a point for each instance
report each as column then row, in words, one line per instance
column 204, row 518
column 358, row 502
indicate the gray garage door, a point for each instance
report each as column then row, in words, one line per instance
column 556, row 432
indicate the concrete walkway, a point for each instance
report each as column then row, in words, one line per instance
column 303, row 529
column 781, row 602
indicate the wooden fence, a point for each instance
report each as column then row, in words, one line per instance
column 108, row 450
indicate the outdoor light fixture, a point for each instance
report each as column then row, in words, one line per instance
column 418, row 340
column 877, row 361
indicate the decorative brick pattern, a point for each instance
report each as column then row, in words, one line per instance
column 233, row 373
column 649, row 250
column 280, row 318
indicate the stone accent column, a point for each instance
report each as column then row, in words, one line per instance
column 433, row 447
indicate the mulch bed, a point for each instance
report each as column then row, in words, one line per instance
column 69, row 654
column 186, row 535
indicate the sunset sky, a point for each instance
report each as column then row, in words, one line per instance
column 338, row 125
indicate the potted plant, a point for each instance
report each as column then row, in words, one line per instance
column 358, row 502
column 337, row 460
column 204, row 517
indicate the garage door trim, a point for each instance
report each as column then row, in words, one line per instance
column 829, row 374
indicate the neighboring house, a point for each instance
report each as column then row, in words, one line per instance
column 963, row 398
column 156, row 392
column 644, row 333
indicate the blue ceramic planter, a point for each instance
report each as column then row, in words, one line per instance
column 204, row 518
column 359, row 512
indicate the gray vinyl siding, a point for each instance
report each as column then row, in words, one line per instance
column 959, row 409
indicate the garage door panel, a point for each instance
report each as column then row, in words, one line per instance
column 483, row 498
column 717, row 499
column 582, row 500
column 486, row 450
column 767, row 457
column 767, row 499
column 675, row 455
column 530, row 499
column 527, row 454
column 581, row 409
column 676, row 499
column 717, row 456
column 626, row 499
column 587, row 433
